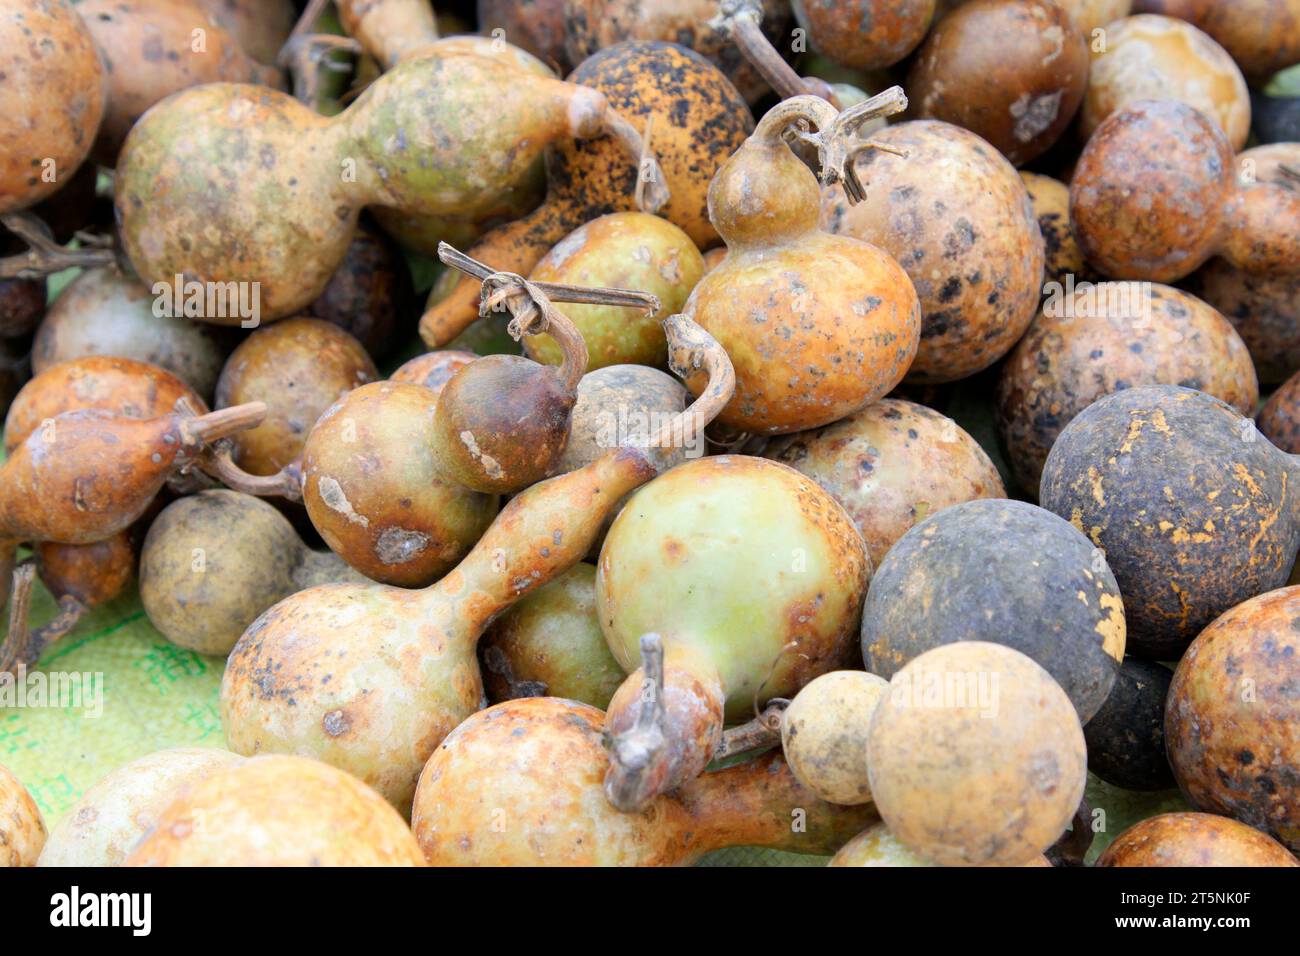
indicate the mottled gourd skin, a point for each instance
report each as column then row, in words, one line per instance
column 276, row 810
column 1051, row 201
column 519, row 784
column 817, row 325
column 1262, row 215
column 299, row 368
column 824, row 734
column 1194, row 839
column 369, row 678
column 1005, row 572
column 374, row 492
column 534, row 25
column 93, row 573
column 593, row 25
column 1090, row 15
column 891, row 465
column 1126, row 738
column 422, row 232
column 502, row 423
column 1148, row 196
column 864, row 34
column 876, row 846
column 102, row 827
column 1111, row 336
column 1011, row 71
column 1233, row 713
column 623, row 250
column 989, row 777
column 22, row 829
column 212, row 562
column 107, row 312
column 698, row 121
column 1264, row 309
column 433, row 369
column 553, row 641
column 957, row 218
column 1149, row 57
column 1279, row 419
column 1263, row 36
column 148, row 51
column 227, row 182
column 371, row 294
column 120, row 385
column 1194, row 510
column 746, row 556
column 52, row 100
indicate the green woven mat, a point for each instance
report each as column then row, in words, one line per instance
column 154, row 695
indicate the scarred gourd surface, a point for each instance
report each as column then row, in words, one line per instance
column 876, row 846
column 1012, row 71
column 103, row 826
column 299, row 367
column 949, row 753
column 553, row 641
column 22, row 829
column 998, row 571
column 120, row 385
column 1103, row 338
column 1173, row 223
column 1156, row 57
column 1195, row 511
column 374, row 493
column 956, row 216
column 275, row 810
column 1232, row 716
column 864, row 34
column 520, row 784
column 1051, row 201
column 1263, row 36
column 891, row 465
column 1126, row 738
column 747, row 556
column 824, row 734
column 622, row 250
column 51, row 101
column 1194, row 839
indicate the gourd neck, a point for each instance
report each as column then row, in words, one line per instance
column 760, row 803
column 389, row 30
column 664, row 721
column 542, row 532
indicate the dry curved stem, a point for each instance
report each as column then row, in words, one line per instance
column 742, row 20
column 44, row 256
column 1073, row 846
column 22, row 646
column 839, row 146
column 307, row 57
column 532, row 314
column 690, row 350
column 495, row 660
column 639, row 747
column 556, row 292
column 651, row 186
column 218, row 462
column 199, row 430
column 762, row 732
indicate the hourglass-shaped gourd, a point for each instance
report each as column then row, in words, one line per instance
column 227, row 183
column 818, row 325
